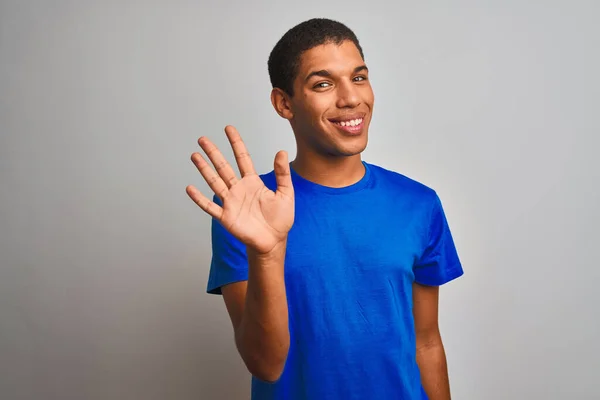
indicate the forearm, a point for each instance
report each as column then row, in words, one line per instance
column 263, row 336
column 431, row 359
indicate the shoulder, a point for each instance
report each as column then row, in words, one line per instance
column 401, row 185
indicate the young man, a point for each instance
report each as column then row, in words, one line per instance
column 329, row 266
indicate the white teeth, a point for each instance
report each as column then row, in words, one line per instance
column 352, row 122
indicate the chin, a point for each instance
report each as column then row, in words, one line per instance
column 351, row 150
column 333, row 143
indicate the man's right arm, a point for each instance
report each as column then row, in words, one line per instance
column 259, row 218
column 259, row 314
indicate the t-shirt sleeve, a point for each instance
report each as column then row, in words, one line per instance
column 439, row 262
column 229, row 261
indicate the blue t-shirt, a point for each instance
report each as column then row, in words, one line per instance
column 353, row 254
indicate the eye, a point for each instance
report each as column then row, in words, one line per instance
column 360, row 78
column 322, row 85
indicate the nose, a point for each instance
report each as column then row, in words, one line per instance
column 348, row 96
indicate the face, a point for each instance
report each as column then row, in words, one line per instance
column 333, row 101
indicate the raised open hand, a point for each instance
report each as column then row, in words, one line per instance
column 257, row 216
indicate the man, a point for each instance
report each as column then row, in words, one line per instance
column 329, row 266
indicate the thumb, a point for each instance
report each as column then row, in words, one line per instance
column 283, row 175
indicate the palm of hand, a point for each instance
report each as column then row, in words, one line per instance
column 255, row 215
column 260, row 218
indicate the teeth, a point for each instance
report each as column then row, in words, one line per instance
column 352, row 122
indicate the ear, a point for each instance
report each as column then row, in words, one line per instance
column 281, row 103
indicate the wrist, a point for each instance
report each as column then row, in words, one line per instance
column 275, row 254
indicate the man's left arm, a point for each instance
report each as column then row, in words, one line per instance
column 431, row 356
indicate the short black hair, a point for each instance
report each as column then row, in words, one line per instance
column 284, row 59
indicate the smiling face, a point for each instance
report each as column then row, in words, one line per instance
column 332, row 104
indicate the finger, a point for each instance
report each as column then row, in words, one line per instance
column 210, row 176
column 283, row 175
column 242, row 157
column 218, row 160
column 208, row 206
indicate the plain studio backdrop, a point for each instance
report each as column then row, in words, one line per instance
column 104, row 259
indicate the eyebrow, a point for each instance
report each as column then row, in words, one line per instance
column 326, row 74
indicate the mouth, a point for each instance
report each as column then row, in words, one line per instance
column 352, row 125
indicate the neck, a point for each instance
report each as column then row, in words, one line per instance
column 329, row 171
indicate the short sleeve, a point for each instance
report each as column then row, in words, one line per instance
column 439, row 262
column 229, row 261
